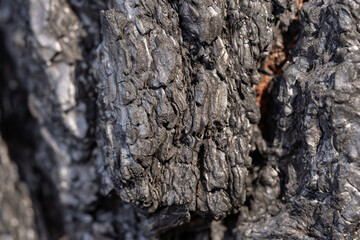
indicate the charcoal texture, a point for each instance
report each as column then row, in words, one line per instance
column 177, row 113
column 317, row 134
column 141, row 119
column 54, row 44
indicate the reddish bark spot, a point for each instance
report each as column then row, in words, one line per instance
column 275, row 62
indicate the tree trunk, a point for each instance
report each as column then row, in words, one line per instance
column 140, row 119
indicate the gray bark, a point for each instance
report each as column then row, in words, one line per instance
column 17, row 214
column 140, row 119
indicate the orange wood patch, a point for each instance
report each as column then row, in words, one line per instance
column 274, row 64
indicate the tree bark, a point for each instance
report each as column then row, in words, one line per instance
column 209, row 119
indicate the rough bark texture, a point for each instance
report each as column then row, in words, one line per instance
column 136, row 119
column 176, row 132
column 316, row 143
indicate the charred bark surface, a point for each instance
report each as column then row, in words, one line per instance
column 142, row 121
column 176, row 115
column 316, row 134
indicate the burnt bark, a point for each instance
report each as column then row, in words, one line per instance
column 180, row 119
